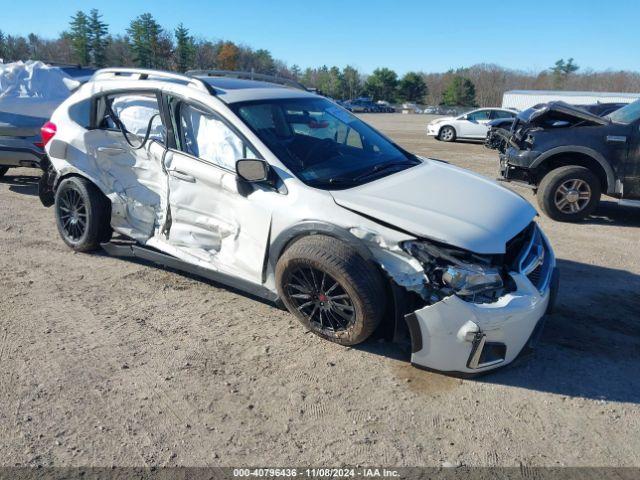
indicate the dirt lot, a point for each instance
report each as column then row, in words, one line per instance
column 109, row 362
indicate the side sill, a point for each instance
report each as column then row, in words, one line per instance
column 128, row 250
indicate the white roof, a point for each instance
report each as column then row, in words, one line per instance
column 572, row 93
column 234, row 90
column 249, row 94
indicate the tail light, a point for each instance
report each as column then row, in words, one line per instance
column 47, row 132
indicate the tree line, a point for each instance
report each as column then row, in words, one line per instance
column 147, row 44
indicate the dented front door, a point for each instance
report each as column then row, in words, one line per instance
column 213, row 220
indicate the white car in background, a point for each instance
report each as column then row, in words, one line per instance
column 471, row 125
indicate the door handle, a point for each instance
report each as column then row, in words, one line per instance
column 182, row 176
column 111, row 150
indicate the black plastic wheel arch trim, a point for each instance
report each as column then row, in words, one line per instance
column 414, row 331
column 310, row 227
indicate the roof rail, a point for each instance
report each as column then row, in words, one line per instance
column 145, row 74
column 248, row 76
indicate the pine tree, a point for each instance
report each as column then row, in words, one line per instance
column 381, row 84
column 352, row 82
column 460, row 92
column 412, row 88
column 263, row 62
column 148, row 42
column 562, row 70
column 185, row 49
column 79, row 34
column 98, row 32
column 4, row 48
column 296, row 71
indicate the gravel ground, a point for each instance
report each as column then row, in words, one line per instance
column 110, row 362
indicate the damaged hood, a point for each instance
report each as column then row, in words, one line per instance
column 559, row 111
column 441, row 202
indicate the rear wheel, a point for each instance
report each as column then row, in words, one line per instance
column 331, row 289
column 569, row 194
column 3, row 171
column 82, row 214
column 447, row 134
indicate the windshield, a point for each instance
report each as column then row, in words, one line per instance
column 626, row 114
column 323, row 144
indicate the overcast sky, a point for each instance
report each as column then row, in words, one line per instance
column 403, row 35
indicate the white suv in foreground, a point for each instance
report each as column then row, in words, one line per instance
column 284, row 194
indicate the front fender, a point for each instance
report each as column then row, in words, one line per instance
column 313, row 227
column 597, row 156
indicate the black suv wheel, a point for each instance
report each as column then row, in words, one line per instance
column 331, row 289
column 82, row 214
column 569, row 194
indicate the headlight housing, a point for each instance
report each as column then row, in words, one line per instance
column 470, row 279
column 453, row 271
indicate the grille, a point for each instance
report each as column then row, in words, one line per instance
column 531, row 255
column 536, row 276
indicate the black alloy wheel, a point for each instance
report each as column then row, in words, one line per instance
column 321, row 299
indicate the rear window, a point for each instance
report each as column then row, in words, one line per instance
column 134, row 112
column 80, row 113
column 502, row 114
column 627, row 114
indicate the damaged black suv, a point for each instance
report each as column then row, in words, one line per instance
column 570, row 157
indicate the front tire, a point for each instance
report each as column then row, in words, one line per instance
column 331, row 289
column 3, row 171
column 447, row 134
column 82, row 214
column 569, row 194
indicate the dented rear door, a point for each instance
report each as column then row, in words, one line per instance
column 135, row 179
column 131, row 168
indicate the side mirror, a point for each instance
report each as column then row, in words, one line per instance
column 252, row 170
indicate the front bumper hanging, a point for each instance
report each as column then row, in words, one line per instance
column 461, row 338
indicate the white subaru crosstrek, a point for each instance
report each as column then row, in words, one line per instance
column 284, row 194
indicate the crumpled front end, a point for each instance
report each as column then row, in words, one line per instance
column 461, row 337
column 485, row 320
column 471, row 334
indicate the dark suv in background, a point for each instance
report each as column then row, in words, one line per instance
column 571, row 156
column 500, row 129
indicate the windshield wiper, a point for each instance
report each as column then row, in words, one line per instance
column 334, row 181
column 384, row 166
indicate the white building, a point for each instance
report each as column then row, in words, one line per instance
column 523, row 99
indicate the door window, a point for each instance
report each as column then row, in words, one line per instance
column 502, row 114
column 205, row 135
column 478, row 116
column 136, row 113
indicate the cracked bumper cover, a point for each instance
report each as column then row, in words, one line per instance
column 450, row 336
column 514, row 159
